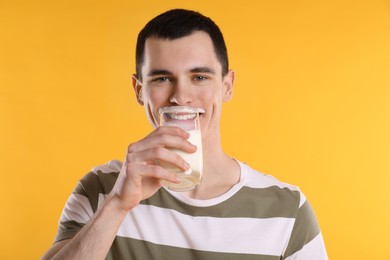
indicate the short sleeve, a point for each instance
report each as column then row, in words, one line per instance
column 306, row 242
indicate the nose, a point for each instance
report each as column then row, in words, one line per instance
column 181, row 94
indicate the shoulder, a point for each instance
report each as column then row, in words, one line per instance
column 258, row 179
column 100, row 180
column 266, row 185
column 109, row 167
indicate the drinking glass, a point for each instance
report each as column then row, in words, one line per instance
column 186, row 118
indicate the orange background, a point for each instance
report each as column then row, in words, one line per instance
column 311, row 107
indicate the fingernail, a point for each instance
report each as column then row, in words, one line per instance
column 178, row 179
column 186, row 165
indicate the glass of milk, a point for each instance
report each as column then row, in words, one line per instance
column 186, row 118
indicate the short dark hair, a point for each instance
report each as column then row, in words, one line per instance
column 178, row 23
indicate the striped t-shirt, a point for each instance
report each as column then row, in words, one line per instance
column 258, row 218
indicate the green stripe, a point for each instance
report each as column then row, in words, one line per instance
column 138, row 249
column 247, row 202
column 305, row 229
column 68, row 230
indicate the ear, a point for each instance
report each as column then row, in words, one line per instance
column 228, row 83
column 137, row 86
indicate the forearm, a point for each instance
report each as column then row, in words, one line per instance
column 96, row 237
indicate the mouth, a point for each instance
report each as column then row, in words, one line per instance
column 180, row 113
column 176, row 116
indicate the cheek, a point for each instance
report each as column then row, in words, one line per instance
column 155, row 97
column 153, row 100
column 151, row 95
column 209, row 96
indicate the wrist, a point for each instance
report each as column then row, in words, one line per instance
column 117, row 205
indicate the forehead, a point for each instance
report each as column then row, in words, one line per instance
column 183, row 53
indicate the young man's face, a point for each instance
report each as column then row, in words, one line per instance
column 184, row 72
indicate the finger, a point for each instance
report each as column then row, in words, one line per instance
column 164, row 139
column 173, row 130
column 156, row 154
column 151, row 171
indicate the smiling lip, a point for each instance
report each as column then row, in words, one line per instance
column 181, row 112
column 176, row 116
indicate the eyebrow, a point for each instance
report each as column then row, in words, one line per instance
column 159, row 72
column 203, row 70
column 194, row 70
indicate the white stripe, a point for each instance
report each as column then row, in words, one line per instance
column 302, row 199
column 101, row 198
column 111, row 166
column 257, row 179
column 231, row 235
column 315, row 249
column 78, row 208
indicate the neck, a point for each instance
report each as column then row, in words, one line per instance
column 220, row 171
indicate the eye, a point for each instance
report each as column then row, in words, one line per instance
column 160, row 79
column 199, row 78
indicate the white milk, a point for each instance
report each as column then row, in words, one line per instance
column 190, row 178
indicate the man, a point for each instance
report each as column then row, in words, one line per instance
column 120, row 210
